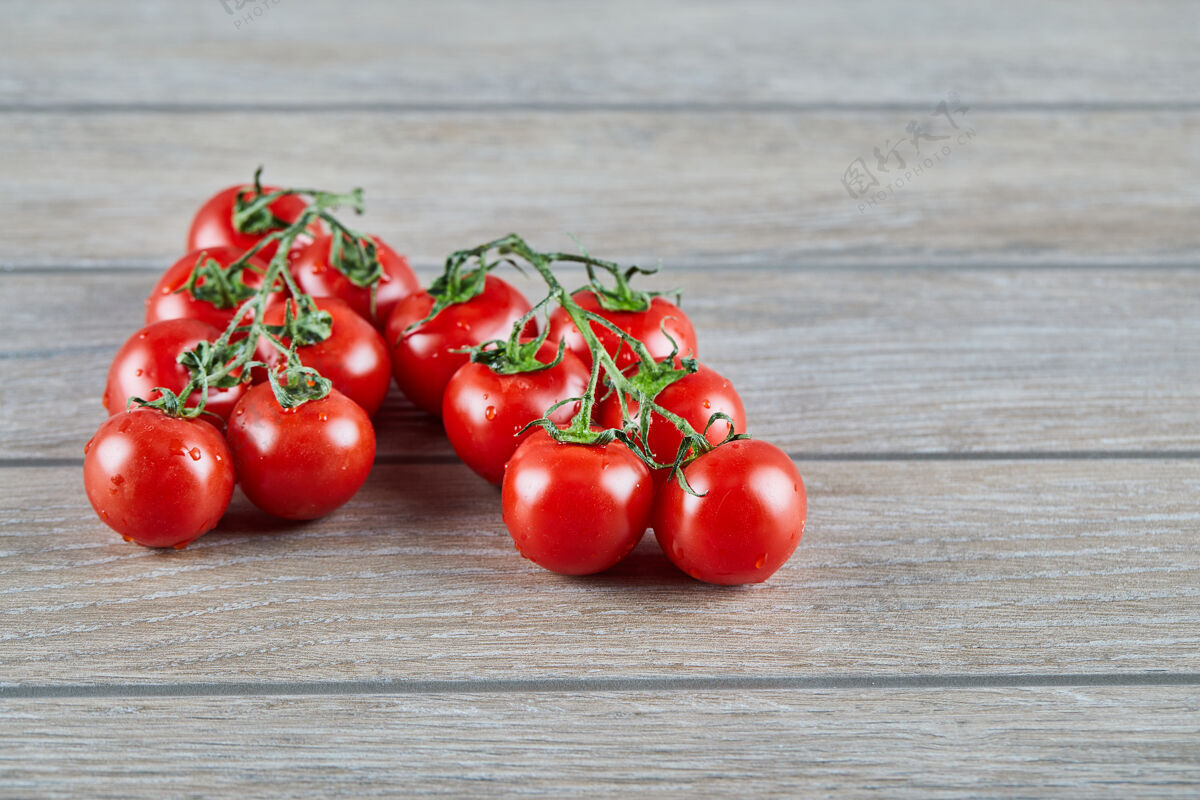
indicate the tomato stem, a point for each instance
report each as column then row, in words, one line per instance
column 225, row 363
column 640, row 390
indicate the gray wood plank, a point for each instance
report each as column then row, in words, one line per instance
column 1093, row 742
column 906, row 567
column 687, row 188
column 827, row 361
column 307, row 52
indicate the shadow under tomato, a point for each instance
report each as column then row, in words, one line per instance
column 243, row 518
column 647, row 567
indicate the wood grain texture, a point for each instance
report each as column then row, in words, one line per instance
column 1093, row 742
column 906, row 567
column 308, row 52
column 687, row 188
column 826, row 361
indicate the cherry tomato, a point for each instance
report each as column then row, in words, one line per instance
column 748, row 522
column 643, row 325
column 159, row 481
column 213, row 224
column 302, row 462
column 317, row 277
column 695, row 397
column 483, row 410
column 422, row 361
column 575, row 509
column 150, row 358
column 354, row 356
column 167, row 302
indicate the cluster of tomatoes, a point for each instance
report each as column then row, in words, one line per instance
column 271, row 344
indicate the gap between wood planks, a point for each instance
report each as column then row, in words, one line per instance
column 986, row 455
column 559, row 107
column 576, row 685
column 949, row 263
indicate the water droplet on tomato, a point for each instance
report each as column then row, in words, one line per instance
column 239, row 411
column 87, row 448
column 127, row 538
column 323, row 417
column 117, row 480
column 138, row 372
column 181, row 545
column 490, row 412
column 707, row 404
column 195, row 453
column 142, row 335
column 758, row 564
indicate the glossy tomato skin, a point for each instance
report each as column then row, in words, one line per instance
column 303, row 462
column 149, row 359
column 482, row 410
column 159, row 481
column 315, row 275
column 695, row 397
column 354, row 356
column 747, row 524
column 213, row 224
column 422, row 361
column 166, row 302
column 575, row 509
column 643, row 325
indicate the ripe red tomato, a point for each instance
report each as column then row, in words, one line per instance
column 747, row 524
column 422, row 361
column 575, row 509
column 643, row 325
column 313, row 272
column 354, row 356
column 695, row 397
column 159, row 481
column 149, row 359
column 167, row 302
column 483, row 410
column 302, row 462
column 213, row 224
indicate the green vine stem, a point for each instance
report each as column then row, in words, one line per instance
column 226, row 363
column 655, row 375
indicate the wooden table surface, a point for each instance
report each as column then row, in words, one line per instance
column 987, row 369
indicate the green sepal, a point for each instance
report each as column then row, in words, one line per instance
column 206, row 359
column 254, row 216
column 222, row 287
column 357, row 259
column 300, row 385
column 309, row 326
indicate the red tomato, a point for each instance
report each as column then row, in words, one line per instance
column 302, row 462
column 213, row 224
column 483, row 410
column 747, row 524
column 643, row 325
column 421, row 360
column 354, row 356
column 695, row 397
column 159, row 481
column 313, row 273
column 166, row 302
column 575, row 509
column 149, row 359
